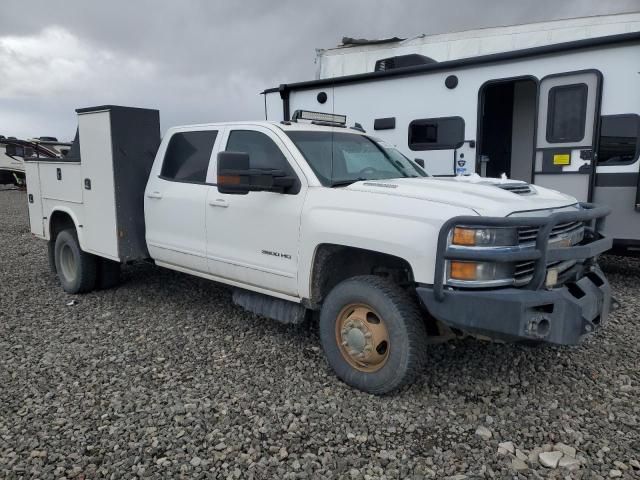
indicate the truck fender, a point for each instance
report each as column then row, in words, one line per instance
column 74, row 219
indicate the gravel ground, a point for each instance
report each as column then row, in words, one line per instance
column 164, row 376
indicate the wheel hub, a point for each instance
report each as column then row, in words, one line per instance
column 355, row 339
column 67, row 262
column 362, row 337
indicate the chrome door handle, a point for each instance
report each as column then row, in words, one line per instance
column 219, row 202
column 154, row 195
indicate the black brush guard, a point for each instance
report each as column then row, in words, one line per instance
column 561, row 315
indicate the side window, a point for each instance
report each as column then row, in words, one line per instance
column 444, row 133
column 187, row 157
column 619, row 144
column 566, row 114
column 263, row 152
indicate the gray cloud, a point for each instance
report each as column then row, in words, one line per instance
column 200, row 61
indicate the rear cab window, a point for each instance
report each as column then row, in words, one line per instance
column 187, row 156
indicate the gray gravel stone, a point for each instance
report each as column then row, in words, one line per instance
column 507, row 446
column 140, row 380
column 519, row 465
column 550, row 459
column 483, row 432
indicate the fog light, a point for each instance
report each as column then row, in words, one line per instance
column 481, row 271
column 463, row 270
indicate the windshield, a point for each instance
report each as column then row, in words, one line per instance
column 339, row 158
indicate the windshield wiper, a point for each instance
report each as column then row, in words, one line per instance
column 345, row 182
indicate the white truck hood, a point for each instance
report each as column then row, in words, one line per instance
column 483, row 195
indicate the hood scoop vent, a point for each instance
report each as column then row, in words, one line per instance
column 517, row 188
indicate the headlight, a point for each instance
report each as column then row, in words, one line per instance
column 478, row 274
column 484, row 237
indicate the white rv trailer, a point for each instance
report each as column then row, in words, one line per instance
column 564, row 116
column 360, row 56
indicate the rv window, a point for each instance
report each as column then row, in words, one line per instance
column 566, row 113
column 443, row 133
column 619, row 143
column 187, row 157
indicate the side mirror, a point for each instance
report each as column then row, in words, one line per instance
column 419, row 161
column 235, row 176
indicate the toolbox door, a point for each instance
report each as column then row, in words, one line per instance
column 34, row 198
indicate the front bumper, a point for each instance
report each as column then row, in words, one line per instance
column 561, row 315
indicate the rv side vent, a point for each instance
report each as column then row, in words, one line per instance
column 517, row 188
column 402, row 61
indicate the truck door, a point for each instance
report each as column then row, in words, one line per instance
column 253, row 239
column 175, row 201
column 568, row 112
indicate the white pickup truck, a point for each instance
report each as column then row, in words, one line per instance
column 311, row 216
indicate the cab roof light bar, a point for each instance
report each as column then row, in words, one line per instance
column 319, row 118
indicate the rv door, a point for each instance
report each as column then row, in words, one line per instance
column 568, row 112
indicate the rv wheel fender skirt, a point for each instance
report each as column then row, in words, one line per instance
column 372, row 334
column 76, row 269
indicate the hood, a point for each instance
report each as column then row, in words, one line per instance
column 487, row 196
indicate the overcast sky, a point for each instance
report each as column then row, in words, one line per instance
column 204, row 61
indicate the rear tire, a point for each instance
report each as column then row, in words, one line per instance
column 51, row 255
column 373, row 334
column 108, row 274
column 76, row 269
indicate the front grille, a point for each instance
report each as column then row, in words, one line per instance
column 517, row 188
column 524, row 270
column 528, row 234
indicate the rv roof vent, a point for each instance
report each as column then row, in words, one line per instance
column 517, row 188
column 48, row 139
column 402, row 61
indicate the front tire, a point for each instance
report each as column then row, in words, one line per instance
column 373, row 334
column 76, row 269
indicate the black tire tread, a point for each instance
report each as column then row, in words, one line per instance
column 88, row 266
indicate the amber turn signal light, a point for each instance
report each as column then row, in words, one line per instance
column 463, row 270
column 464, row 236
column 229, row 179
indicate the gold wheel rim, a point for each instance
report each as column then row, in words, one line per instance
column 362, row 337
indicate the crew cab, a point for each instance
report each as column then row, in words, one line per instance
column 313, row 216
